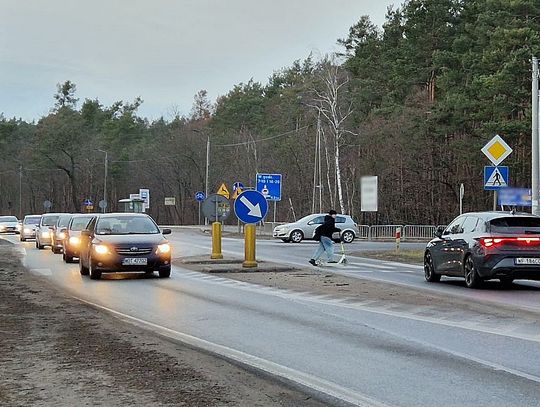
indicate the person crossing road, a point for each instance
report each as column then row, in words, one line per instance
column 323, row 234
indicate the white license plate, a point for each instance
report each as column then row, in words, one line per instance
column 533, row 261
column 135, row 261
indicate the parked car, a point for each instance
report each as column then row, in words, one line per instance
column 305, row 228
column 58, row 233
column 29, row 225
column 43, row 231
column 124, row 242
column 8, row 224
column 72, row 241
column 485, row 245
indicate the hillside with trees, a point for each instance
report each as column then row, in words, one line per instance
column 412, row 102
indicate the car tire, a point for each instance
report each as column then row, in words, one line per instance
column 286, row 240
column 472, row 278
column 22, row 239
column 56, row 250
column 39, row 246
column 297, row 236
column 165, row 273
column 82, row 269
column 67, row 258
column 94, row 274
column 506, row 281
column 429, row 269
column 347, row 236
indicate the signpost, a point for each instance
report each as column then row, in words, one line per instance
column 88, row 205
column 515, row 197
column 269, row 185
column 495, row 178
column 199, row 197
column 250, row 207
column 461, row 195
column 47, row 205
column 224, row 191
column 368, row 194
column 145, row 195
column 170, row 201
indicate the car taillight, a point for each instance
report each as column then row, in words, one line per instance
column 497, row 241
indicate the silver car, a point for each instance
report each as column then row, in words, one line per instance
column 44, row 231
column 29, row 226
column 305, row 228
column 8, row 224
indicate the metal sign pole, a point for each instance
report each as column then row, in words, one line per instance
column 275, row 210
column 535, row 144
column 199, row 213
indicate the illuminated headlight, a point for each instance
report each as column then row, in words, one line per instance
column 27, row 230
column 45, row 234
column 2, row 227
column 19, row 227
column 61, row 235
column 74, row 241
column 101, row 249
column 164, row 248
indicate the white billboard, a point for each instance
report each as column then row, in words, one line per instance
column 369, row 194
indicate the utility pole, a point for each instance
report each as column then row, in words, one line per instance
column 207, row 168
column 535, row 151
column 20, row 192
column 105, row 181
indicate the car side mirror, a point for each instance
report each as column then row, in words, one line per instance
column 166, row 231
column 85, row 232
column 439, row 232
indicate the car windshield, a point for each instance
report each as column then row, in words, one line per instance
column 81, row 223
column 8, row 219
column 63, row 221
column 49, row 220
column 516, row 225
column 126, row 225
column 32, row 221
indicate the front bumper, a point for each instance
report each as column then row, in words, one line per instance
column 114, row 262
column 281, row 234
column 9, row 229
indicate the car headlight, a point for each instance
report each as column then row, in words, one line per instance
column 74, row 241
column 101, row 249
column 45, row 234
column 2, row 227
column 27, row 230
column 61, row 235
column 164, row 248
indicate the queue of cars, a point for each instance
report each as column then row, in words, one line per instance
column 102, row 243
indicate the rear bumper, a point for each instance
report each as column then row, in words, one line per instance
column 505, row 267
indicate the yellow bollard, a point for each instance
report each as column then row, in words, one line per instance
column 249, row 243
column 216, row 241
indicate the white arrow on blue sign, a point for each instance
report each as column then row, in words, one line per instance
column 200, row 196
column 250, row 207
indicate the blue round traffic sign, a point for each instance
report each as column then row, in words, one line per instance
column 200, row 196
column 250, row 207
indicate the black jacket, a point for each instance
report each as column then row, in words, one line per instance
column 328, row 228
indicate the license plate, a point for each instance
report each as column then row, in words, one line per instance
column 532, row 261
column 135, row 261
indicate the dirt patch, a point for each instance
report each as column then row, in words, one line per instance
column 401, row 256
column 59, row 352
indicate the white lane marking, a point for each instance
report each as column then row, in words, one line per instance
column 304, row 379
column 370, row 265
column 471, row 325
column 43, row 272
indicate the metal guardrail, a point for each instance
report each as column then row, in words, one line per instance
column 418, row 232
column 383, row 231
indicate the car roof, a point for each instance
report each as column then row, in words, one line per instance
column 116, row 214
column 80, row 215
column 489, row 215
column 32, row 216
column 55, row 214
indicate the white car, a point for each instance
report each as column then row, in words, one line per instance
column 8, row 224
column 29, row 226
column 44, row 230
column 305, row 228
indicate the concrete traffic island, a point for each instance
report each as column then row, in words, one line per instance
column 229, row 265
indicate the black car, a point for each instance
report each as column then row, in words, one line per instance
column 486, row 245
column 124, row 242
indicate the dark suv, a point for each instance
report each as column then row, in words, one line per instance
column 486, row 245
column 124, row 242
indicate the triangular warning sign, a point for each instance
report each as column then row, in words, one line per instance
column 237, row 192
column 496, row 179
column 223, row 191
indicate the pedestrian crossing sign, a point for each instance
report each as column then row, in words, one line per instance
column 495, row 178
column 224, row 191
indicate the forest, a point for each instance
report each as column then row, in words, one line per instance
column 411, row 102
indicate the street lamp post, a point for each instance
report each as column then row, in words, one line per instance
column 105, row 181
column 207, row 167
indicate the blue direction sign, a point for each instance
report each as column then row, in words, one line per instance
column 250, row 207
column 270, row 186
column 515, row 197
column 237, row 185
column 200, row 196
column 495, row 178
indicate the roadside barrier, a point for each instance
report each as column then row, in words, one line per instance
column 364, row 232
column 419, row 232
column 383, row 231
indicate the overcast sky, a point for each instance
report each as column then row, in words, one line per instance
column 162, row 50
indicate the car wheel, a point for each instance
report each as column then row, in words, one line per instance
column 506, row 281
column 297, row 236
column 472, row 279
column 22, row 239
column 429, row 269
column 165, row 273
column 82, row 269
column 94, row 274
column 347, row 236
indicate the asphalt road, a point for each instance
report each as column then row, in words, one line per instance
column 351, row 351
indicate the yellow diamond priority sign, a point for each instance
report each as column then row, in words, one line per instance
column 497, row 150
